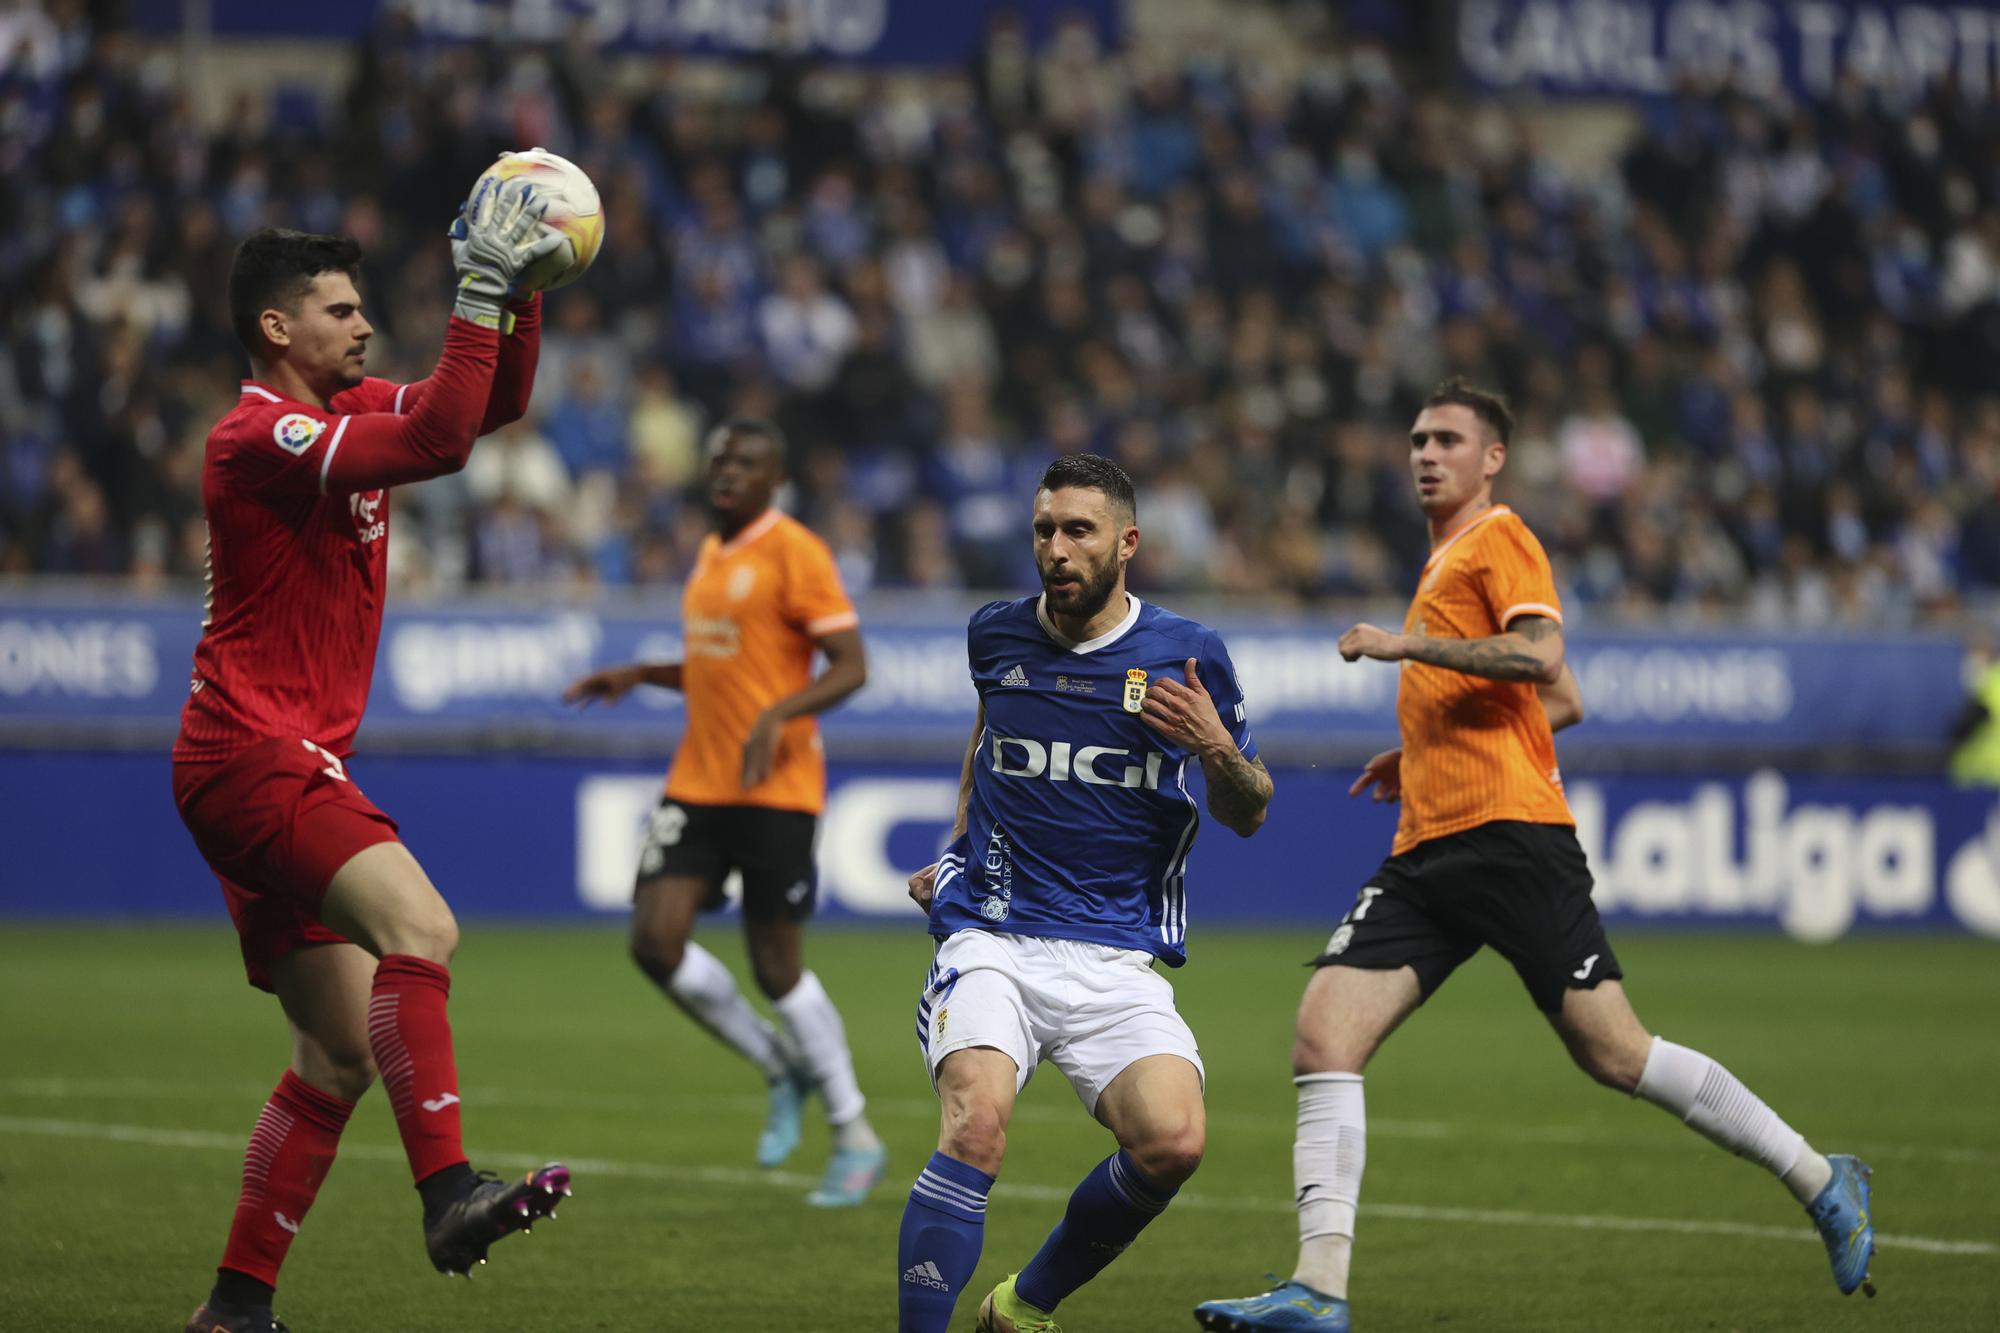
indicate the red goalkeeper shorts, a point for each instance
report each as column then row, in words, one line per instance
column 275, row 822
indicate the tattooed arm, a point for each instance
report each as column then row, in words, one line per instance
column 1239, row 789
column 1531, row 650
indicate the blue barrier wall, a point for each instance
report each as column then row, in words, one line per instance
column 444, row 677
column 521, row 807
column 549, row 836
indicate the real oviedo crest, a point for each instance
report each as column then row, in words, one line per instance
column 1135, row 690
column 296, row 431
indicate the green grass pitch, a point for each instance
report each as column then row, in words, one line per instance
column 1504, row 1191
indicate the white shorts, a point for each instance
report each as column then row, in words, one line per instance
column 1089, row 1009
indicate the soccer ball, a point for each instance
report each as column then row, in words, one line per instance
column 574, row 211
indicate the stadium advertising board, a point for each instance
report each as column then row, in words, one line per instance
column 893, row 32
column 1642, row 48
column 459, row 676
column 524, row 836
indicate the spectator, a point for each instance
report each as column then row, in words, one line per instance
column 1601, row 453
column 587, row 426
column 665, row 434
column 805, row 329
column 953, row 340
column 509, row 546
column 518, row 462
column 1752, row 363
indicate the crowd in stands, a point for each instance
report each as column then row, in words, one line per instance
column 1751, row 365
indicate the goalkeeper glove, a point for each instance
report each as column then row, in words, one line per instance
column 496, row 237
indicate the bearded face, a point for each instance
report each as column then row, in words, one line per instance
column 1082, row 541
column 1079, row 585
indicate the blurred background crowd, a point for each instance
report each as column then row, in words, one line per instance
column 1750, row 357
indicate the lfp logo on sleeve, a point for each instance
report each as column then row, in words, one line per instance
column 296, row 431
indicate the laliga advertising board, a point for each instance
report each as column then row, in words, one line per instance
column 466, row 701
column 1815, row 857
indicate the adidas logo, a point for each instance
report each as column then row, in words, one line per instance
column 926, row 1273
column 1015, row 677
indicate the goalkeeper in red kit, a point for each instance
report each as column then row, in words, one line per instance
column 335, row 915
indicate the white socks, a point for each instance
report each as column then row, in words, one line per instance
column 813, row 1038
column 815, row 1028
column 702, row 986
column 1331, row 1147
column 1328, row 1155
column 1719, row 1108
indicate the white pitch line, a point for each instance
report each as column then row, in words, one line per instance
column 908, row 1108
column 207, row 1140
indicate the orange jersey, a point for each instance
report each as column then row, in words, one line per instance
column 753, row 613
column 1477, row 750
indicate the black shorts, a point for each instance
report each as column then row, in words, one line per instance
column 1522, row 888
column 773, row 850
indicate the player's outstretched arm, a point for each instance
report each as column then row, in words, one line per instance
column 611, row 684
column 520, row 315
column 520, row 346
column 1531, row 650
column 502, row 237
column 1239, row 789
column 377, row 449
column 1562, row 701
column 513, row 375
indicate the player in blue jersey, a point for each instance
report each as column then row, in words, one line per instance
column 1064, row 882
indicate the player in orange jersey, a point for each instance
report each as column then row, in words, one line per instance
column 1486, row 854
column 745, row 792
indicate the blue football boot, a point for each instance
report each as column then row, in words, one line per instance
column 1841, row 1214
column 1288, row 1306
column 781, row 1121
column 850, row 1175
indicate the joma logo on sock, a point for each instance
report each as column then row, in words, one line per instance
column 436, row 1104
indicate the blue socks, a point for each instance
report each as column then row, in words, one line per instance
column 1105, row 1214
column 944, row 1225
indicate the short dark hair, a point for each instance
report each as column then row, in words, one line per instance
column 1489, row 407
column 759, row 426
column 1092, row 472
column 752, row 426
column 273, row 268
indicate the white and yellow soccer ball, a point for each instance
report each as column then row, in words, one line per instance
column 574, row 211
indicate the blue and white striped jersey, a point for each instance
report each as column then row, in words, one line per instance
column 1080, row 821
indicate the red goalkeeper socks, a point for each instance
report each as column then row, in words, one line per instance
column 290, row 1152
column 411, row 1039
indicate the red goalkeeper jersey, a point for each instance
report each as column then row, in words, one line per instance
column 297, row 502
